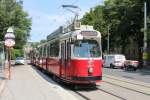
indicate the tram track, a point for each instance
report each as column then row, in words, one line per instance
column 127, row 88
column 115, row 93
column 85, row 94
column 139, row 88
column 81, row 95
column 112, row 94
column 128, row 82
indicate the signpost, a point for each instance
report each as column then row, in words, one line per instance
column 9, row 43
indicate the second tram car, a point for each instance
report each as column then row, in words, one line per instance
column 72, row 54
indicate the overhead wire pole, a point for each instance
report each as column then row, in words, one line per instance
column 108, row 41
column 145, row 36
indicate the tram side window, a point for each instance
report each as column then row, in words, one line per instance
column 44, row 51
column 40, row 51
column 48, row 50
column 51, row 50
column 69, row 51
column 54, row 49
column 37, row 52
column 57, row 49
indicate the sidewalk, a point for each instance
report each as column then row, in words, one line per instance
column 27, row 83
column 2, row 81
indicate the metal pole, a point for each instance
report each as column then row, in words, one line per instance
column 3, row 56
column 108, row 41
column 9, row 62
column 145, row 36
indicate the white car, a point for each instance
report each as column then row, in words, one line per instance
column 114, row 60
column 20, row 60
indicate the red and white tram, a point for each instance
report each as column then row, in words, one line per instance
column 72, row 54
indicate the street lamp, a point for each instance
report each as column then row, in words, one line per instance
column 9, row 43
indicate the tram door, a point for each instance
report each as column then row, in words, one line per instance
column 63, row 59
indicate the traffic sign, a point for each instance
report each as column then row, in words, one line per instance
column 9, row 43
column 9, row 36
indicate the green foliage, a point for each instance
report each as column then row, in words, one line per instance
column 35, row 44
column 43, row 41
column 12, row 14
column 17, row 53
column 125, row 19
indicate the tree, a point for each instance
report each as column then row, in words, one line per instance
column 12, row 14
column 125, row 19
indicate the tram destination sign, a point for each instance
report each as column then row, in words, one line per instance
column 89, row 33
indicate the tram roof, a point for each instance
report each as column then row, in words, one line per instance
column 73, row 28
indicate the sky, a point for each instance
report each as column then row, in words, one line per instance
column 48, row 15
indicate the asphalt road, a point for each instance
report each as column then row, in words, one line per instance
column 139, row 75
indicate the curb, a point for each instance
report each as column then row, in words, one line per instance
column 2, row 85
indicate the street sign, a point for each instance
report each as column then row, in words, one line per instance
column 9, row 38
column 9, row 43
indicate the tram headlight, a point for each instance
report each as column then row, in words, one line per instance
column 79, row 37
column 90, row 70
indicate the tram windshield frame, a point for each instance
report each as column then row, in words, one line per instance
column 86, row 49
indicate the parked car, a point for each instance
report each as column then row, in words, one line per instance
column 20, row 60
column 114, row 60
column 131, row 65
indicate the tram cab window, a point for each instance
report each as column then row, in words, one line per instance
column 86, row 48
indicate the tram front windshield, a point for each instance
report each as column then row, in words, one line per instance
column 86, row 48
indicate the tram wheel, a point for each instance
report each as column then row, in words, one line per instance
column 76, row 87
column 111, row 66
